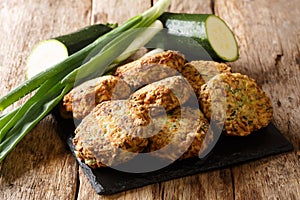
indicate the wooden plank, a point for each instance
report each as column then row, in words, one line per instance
column 114, row 11
column 87, row 192
column 210, row 185
column 40, row 167
column 192, row 6
column 268, row 36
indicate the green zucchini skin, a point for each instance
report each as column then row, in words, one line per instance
column 81, row 38
column 192, row 26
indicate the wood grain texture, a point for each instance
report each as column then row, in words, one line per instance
column 268, row 34
column 40, row 167
column 87, row 192
column 191, row 6
column 116, row 11
column 210, row 185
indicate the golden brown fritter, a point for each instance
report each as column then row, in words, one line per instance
column 159, row 97
column 181, row 136
column 150, row 69
column 108, row 136
column 246, row 108
column 83, row 98
column 199, row 72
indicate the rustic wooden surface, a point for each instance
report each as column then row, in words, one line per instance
column 268, row 33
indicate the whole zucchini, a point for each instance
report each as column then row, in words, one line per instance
column 211, row 32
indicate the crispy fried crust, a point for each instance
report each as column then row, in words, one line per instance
column 199, row 72
column 181, row 136
column 159, row 97
column 83, row 98
column 150, row 69
column 248, row 108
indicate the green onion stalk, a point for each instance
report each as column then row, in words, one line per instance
column 51, row 85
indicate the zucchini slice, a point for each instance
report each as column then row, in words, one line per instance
column 49, row 52
column 207, row 29
column 44, row 55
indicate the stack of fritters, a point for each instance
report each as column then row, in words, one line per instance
column 144, row 108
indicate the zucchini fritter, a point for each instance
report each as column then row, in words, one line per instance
column 247, row 106
column 159, row 97
column 199, row 72
column 83, row 98
column 150, row 69
column 108, row 136
column 182, row 135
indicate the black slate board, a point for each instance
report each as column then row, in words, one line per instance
column 227, row 152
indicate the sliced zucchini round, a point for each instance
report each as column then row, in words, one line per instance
column 221, row 39
column 44, row 55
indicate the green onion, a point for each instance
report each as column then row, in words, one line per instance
column 116, row 51
column 33, row 116
column 65, row 67
column 4, row 120
column 40, row 94
column 103, row 54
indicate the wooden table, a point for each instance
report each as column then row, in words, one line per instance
column 268, row 34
